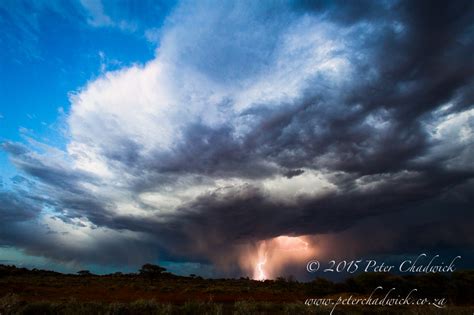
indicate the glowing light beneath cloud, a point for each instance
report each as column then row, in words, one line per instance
column 271, row 256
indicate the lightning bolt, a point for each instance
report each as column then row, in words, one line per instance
column 261, row 273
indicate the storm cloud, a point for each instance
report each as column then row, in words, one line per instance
column 261, row 119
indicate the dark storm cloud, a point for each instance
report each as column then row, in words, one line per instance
column 60, row 196
column 17, row 208
column 45, row 171
column 370, row 137
column 441, row 223
column 59, row 185
column 417, row 70
column 424, row 64
column 247, row 213
column 293, row 173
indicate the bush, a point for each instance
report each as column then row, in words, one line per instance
column 196, row 307
column 9, row 303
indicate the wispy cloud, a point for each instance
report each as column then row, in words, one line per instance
column 97, row 17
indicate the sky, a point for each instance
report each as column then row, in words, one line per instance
column 234, row 138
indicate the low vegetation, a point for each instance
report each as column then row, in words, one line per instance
column 154, row 291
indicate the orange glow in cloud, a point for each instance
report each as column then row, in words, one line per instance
column 267, row 259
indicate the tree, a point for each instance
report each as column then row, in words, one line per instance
column 151, row 271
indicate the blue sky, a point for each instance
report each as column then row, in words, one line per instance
column 208, row 135
column 51, row 48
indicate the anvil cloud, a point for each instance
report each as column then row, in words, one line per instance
column 351, row 122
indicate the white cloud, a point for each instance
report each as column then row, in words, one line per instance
column 150, row 105
column 453, row 133
column 97, row 17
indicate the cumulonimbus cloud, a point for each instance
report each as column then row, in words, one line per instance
column 255, row 121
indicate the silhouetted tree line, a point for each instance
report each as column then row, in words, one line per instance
column 457, row 287
column 12, row 270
